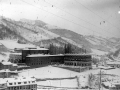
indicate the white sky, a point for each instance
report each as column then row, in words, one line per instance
column 85, row 18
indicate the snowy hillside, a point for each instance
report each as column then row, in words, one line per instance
column 36, row 31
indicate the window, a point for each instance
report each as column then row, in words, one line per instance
column 25, row 82
column 10, row 83
column 33, row 81
column 19, row 82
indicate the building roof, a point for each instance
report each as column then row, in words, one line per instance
column 44, row 55
column 7, row 71
column 77, row 54
column 113, row 63
column 36, row 49
column 20, row 79
column 15, row 53
column 6, row 63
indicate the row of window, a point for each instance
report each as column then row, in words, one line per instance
column 23, row 87
column 77, row 59
column 77, row 64
column 21, row 82
column 39, row 63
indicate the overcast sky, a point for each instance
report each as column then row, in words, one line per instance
column 95, row 17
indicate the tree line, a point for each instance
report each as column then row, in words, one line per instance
column 65, row 49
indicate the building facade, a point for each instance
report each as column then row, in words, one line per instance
column 26, row 52
column 114, row 64
column 18, row 84
column 42, row 60
column 82, row 60
column 37, row 60
column 8, row 65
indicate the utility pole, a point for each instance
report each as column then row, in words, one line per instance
column 100, row 80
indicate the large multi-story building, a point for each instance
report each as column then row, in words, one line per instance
column 83, row 60
column 36, row 60
column 36, row 57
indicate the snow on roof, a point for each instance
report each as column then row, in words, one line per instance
column 108, row 84
column 78, row 54
column 20, row 79
column 36, row 49
column 15, row 53
column 43, row 55
column 2, row 81
column 7, row 70
column 10, row 44
column 14, row 64
column 113, row 63
column 6, row 63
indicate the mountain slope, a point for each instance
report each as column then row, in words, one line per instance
column 30, row 32
column 37, row 32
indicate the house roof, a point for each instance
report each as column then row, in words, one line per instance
column 42, row 55
column 6, row 63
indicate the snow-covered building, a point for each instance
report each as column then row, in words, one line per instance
column 8, row 65
column 36, row 60
column 31, row 51
column 114, row 86
column 114, row 64
column 18, row 83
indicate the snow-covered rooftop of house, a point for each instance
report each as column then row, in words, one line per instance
column 7, row 70
column 78, row 54
column 14, row 64
column 2, row 81
column 15, row 53
column 6, row 63
column 20, row 79
column 113, row 62
column 43, row 55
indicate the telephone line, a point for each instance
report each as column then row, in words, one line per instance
column 97, row 14
column 78, row 17
column 61, row 17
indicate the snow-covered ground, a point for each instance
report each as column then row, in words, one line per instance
column 98, row 52
column 11, row 44
column 55, row 72
column 4, row 57
column 59, row 83
column 48, row 72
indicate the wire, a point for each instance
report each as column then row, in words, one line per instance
column 62, row 17
column 78, row 17
column 96, row 14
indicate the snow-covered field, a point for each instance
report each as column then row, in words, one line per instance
column 55, row 72
column 98, row 52
column 59, row 83
column 48, row 72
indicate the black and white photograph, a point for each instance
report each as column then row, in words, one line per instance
column 59, row 44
